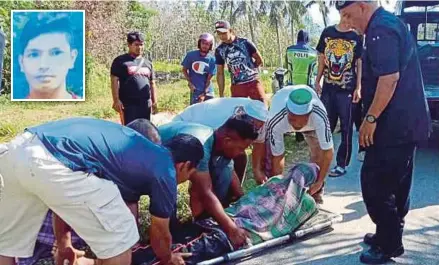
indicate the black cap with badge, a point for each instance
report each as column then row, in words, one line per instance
column 342, row 4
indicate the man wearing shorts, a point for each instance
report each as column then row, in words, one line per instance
column 84, row 170
column 46, row 237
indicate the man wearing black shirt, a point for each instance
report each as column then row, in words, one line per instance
column 132, row 82
column 340, row 50
column 397, row 120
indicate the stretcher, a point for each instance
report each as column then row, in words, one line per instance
column 320, row 222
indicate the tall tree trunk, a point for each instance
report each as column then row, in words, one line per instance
column 322, row 7
column 293, row 34
column 231, row 12
column 279, row 52
column 325, row 22
column 223, row 12
column 249, row 10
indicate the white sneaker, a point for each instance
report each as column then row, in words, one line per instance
column 337, row 171
column 360, row 156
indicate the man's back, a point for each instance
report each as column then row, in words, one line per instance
column 300, row 58
column 203, row 133
column 212, row 113
column 109, row 151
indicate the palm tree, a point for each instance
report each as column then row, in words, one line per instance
column 277, row 9
column 247, row 8
column 295, row 10
column 324, row 6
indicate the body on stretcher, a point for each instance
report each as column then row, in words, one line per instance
column 212, row 247
column 272, row 214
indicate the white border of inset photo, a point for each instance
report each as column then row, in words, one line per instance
column 80, row 54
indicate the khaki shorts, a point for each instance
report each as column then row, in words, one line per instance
column 35, row 181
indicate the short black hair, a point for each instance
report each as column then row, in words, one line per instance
column 184, row 148
column 43, row 24
column 302, row 36
column 242, row 124
column 135, row 36
column 145, row 128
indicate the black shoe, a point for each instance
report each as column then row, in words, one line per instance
column 370, row 239
column 375, row 255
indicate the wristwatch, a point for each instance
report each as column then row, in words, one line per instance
column 370, row 118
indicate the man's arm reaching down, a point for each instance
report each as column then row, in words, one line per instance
column 202, row 187
column 278, row 163
column 235, row 187
column 63, row 239
column 220, row 79
column 161, row 242
column 258, row 156
column 161, row 239
column 117, row 104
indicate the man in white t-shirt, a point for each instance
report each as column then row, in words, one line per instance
column 295, row 109
column 215, row 112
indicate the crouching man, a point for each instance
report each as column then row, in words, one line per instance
column 215, row 184
column 84, row 170
column 295, row 109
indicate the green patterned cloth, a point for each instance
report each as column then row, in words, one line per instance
column 282, row 205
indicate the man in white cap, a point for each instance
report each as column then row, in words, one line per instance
column 216, row 112
column 295, row 109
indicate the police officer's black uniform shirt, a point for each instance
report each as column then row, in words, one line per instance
column 134, row 79
column 390, row 48
column 341, row 50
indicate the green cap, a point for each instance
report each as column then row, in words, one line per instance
column 299, row 101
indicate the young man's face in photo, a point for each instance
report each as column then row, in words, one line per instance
column 46, row 61
column 136, row 47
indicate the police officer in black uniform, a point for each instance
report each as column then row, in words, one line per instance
column 397, row 120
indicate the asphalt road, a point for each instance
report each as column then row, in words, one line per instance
column 343, row 245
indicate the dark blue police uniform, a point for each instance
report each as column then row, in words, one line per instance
column 386, row 175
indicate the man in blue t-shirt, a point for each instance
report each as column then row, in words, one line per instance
column 83, row 169
column 397, row 120
column 46, row 236
column 215, row 181
column 199, row 68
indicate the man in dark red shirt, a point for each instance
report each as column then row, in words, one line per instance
column 133, row 82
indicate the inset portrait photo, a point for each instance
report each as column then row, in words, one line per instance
column 48, row 61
